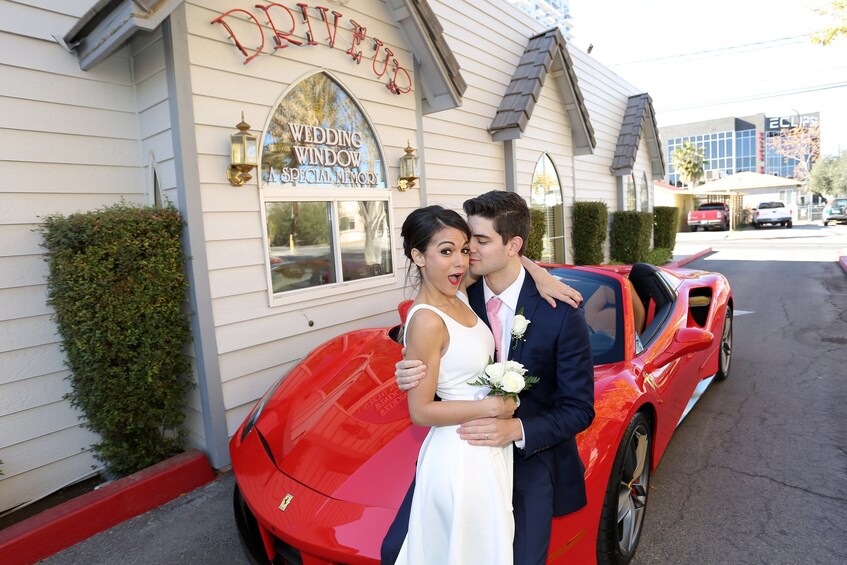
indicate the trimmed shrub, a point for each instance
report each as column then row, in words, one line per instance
column 590, row 225
column 537, row 228
column 630, row 236
column 658, row 256
column 665, row 226
column 117, row 286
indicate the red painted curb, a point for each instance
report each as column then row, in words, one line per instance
column 843, row 262
column 686, row 260
column 64, row 525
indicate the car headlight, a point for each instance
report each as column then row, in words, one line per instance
column 257, row 410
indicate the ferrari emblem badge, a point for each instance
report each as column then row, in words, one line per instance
column 285, row 502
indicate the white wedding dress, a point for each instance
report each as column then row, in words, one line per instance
column 462, row 505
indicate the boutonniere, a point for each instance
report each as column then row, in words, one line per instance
column 519, row 326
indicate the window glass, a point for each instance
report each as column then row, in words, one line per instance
column 326, row 198
column 645, row 193
column 630, row 192
column 546, row 194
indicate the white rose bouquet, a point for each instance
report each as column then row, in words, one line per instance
column 506, row 379
column 519, row 326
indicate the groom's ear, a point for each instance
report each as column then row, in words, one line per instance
column 515, row 245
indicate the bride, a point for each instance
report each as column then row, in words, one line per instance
column 462, row 503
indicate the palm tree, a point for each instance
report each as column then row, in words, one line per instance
column 688, row 162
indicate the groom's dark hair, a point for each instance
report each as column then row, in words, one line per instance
column 507, row 211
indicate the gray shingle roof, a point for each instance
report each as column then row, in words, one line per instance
column 544, row 52
column 440, row 77
column 638, row 109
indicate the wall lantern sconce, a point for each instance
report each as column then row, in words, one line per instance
column 409, row 169
column 244, row 152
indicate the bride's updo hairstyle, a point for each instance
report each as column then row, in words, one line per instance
column 422, row 224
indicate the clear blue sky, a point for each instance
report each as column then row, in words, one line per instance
column 704, row 60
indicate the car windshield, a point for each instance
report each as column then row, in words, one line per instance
column 713, row 206
column 764, row 205
column 603, row 312
column 839, row 203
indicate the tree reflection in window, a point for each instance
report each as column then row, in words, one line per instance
column 320, row 102
column 301, row 236
column 645, row 193
column 630, row 193
column 546, row 194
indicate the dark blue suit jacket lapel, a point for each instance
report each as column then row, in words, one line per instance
column 528, row 300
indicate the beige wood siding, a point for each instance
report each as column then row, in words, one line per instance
column 257, row 342
column 68, row 143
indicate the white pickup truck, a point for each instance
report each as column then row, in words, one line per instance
column 774, row 213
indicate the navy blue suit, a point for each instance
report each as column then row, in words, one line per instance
column 549, row 475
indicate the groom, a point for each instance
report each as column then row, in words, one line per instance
column 549, row 475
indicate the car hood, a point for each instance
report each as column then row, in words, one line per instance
column 339, row 425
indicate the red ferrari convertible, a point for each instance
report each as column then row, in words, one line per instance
column 324, row 459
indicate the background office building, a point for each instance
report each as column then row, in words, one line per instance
column 734, row 145
column 551, row 13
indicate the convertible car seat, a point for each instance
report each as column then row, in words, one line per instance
column 656, row 297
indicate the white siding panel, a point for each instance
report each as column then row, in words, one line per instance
column 20, row 239
column 29, row 84
column 25, row 20
column 34, row 54
column 48, row 117
column 31, row 362
column 29, row 146
column 23, row 301
column 235, row 225
column 22, row 271
column 18, row 396
column 30, row 208
column 240, row 253
column 42, row 481
column 149, row 60
column 68, row 178
column 44, row 450
column 27, row 332
column 39, row 421
column 155, row 121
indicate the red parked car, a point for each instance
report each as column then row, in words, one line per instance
column 324, row 459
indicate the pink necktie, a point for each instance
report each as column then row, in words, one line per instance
column 492, row 307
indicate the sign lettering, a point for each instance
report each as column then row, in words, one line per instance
column 280, row 17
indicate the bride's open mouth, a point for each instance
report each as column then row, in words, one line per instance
column 455, row 278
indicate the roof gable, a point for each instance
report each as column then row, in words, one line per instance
column 441, row 80
column 544, row 53
column 109, row 24
column 639, row 120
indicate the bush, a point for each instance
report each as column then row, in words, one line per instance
column 658, row 256
column 117, row 287
column 537, row 229
column 630, row 236
column 590, row 225
column 665, row 226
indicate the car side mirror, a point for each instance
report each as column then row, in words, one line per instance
column 686, row 340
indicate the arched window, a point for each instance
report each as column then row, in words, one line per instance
column 645, row 193
column 324, row 190
column 630, row 193
column 546, row 194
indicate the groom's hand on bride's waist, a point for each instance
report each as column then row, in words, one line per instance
column 491, row 432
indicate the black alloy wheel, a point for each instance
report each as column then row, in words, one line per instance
column 626, row 496
column 725, row 353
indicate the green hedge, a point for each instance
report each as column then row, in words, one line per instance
column 117, row 286
column 665, row 226
column 537, row 228
column 590, row 225
column 630, row 236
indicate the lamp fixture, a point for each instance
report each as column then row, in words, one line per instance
column 244, row 152
column 409, row 169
